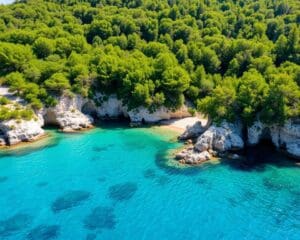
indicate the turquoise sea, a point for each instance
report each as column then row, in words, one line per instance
column 118, row 183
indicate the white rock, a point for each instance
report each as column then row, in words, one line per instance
column 110, row 107
column 193, row 131
column 142, row 114
column 255, row 133
column 17, row 131
column 227, row 136
column 67, row 114
column 286, row 137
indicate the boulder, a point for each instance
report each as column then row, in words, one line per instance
column 16, row 131
column 193, row 131
column 227, row 136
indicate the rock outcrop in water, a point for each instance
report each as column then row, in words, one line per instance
column 16, row 131
column 228, row 137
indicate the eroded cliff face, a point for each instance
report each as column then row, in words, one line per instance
column 285, row 138
column 67, row 114
column 112, row 107
column 229, row 137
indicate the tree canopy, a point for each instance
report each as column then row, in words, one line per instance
column 233, row 58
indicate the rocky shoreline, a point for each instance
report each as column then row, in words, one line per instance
column 75, row 113
column 228, row 138
column 206, row 140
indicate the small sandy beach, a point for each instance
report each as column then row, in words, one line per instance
column 179, row 125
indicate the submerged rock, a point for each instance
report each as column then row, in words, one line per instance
column 14, row 224
column 69, row 200
column 123, row 191
column 99, row 218
column 44, row 232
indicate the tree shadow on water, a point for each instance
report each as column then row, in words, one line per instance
column 257, row 158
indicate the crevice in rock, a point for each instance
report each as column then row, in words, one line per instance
column 50, row 119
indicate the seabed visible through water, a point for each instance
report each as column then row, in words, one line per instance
column 116, row 182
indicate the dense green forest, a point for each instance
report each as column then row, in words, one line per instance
column 232, row 58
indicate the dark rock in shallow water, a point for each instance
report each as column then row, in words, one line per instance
column 44, row 232
column 100, row 149
column 70, row 199
column 101, row 179
column 3, row 179
column 42, row 184
column 276, row 184
column 14, row 224
column 100, row 217
column 91, row 236
column 201, row 181
column 163, row 180
column 123, row 191
column 149, row 173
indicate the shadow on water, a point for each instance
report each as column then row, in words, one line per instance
column 257, row 158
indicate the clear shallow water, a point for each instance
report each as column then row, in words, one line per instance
column 115, row 183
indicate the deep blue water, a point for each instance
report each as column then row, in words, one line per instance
column 117, row 183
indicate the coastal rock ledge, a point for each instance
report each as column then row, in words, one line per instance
column 215, row 139
column 16, row 131
column 67, row 114
column 286, row 138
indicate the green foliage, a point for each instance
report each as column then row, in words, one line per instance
column 233, row 58
column 3, row 100
column 57, row 83
column 43, row 47
column 7, row 113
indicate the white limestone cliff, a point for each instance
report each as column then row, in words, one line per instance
column 67, row 114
